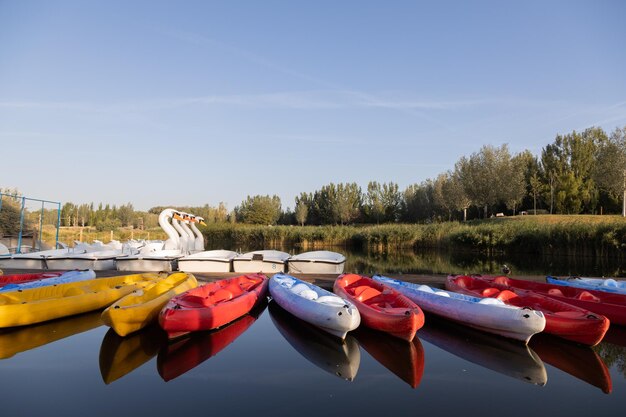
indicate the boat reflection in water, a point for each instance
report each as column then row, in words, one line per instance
column 21, row 339
column 579, row 361
column 191, row 350
column 404, row 359
column 492, row 352
column 121, row 355
column 340, row 358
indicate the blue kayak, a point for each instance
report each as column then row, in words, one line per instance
column 598, row 284
column 70, row 276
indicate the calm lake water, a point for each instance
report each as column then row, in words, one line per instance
column 270, row 363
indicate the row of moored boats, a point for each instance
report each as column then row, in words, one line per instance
column 578, row 309
column 182, row 251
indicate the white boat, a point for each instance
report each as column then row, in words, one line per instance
column 263, row 261
column 36, row 260
column 317, row 262
column 315, row 305
column 487, row 314
column 208, row 261
column 98, row 261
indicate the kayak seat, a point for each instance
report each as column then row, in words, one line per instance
column 491, row 301
column 556, row 292
column 489, row 292
column 364, row 293
column 221, row 295
column 506, row 295
column 304, row 291
column 587, row 296
column 501, row 280
column 332, row 300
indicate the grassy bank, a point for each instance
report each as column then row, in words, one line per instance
column 544, row 234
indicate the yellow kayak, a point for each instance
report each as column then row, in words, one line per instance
column 139, row 309
column 36, row 305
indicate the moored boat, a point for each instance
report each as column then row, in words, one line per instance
column 610, row 305
column 261, row 261
column 486, row 314
column 22, row 278
column 213, row 305
column 314, row 305
column 50, row 302
column 381, row 308
column 600, row 284
column 562, row 319
column 208, row 261
column 64, row 278
column 316, row 262
column 136, row 310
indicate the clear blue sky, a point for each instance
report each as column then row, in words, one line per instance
column 188, row 103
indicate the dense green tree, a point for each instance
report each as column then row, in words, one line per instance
column 610, row 169
column 259, row 209
column 417, row 203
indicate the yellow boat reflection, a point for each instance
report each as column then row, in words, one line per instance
column 21, row 339
column 121, row 355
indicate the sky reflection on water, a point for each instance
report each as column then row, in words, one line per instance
column 271, row 366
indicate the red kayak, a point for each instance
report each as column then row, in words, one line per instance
column 213, row 305
column 22, row 278
column 381, row 308
column 562, row 319
column 610, row 305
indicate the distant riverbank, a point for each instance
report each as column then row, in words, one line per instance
column 544, row 234
column 574, row 235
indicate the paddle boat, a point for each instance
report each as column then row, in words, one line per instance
column 138, row 309
column 262, row 261
column 160, row 258
column 600, row 284
column 487, row 314
column 341, row 358
column 562, row 319
column 316, row 262
column 381, row 308
column 213, row 305
column 314, row 305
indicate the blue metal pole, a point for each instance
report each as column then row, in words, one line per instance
column 19, row 237
column 56, row 243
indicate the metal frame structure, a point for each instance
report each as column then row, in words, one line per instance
column 23, row 208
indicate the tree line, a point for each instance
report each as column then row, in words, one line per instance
column 578, row 173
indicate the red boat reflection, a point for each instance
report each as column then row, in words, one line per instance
column 404, row 359
column 186, row 353
column 579, row 361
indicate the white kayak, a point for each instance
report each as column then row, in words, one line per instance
column 67, row 277
column 599, row 284
column 314, row 305
column 487, row 314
